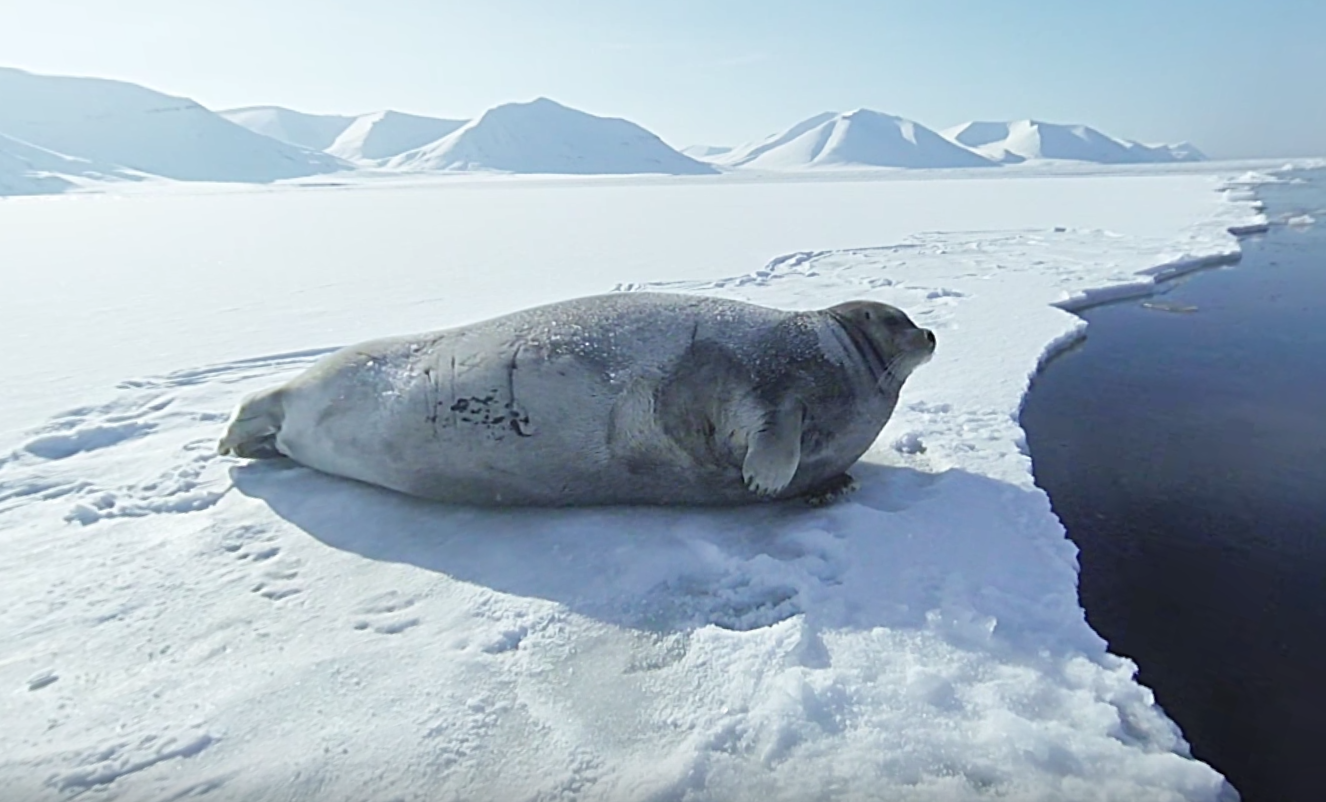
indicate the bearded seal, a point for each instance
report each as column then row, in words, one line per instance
column 626, row 398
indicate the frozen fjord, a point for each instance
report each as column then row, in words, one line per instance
column 176, row 622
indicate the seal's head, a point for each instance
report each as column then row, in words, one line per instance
column 889, row 343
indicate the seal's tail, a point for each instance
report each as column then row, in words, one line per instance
column 253, row 428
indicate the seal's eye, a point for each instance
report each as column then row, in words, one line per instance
column 868, row 317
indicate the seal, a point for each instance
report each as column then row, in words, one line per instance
column 627, row 398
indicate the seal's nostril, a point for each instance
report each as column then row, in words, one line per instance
column 930, row 336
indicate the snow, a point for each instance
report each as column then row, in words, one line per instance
column 706, row 152
column 365, row 138
column 312, row 131
column 1178, row 151
column 177, row 624
column 29, row 170
column 127, row 126
column 385, row 134
column 861, row 138
column 1023, row 140
column 543, row 136
column 62, row 133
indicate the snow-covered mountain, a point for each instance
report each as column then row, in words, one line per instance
column 362, row 138
column 312, row 131
column 861, row 138
column 543, row 136
column 122, row 125
column 27, row 169
column 1178, row 151
column 1028, row 140
column 60, row 132
column 384, row 134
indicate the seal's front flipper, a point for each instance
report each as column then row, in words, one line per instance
column 774, row 452
column 254, row 426
column 836, row 489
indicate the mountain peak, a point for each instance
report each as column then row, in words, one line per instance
column 543, row 136
column 858, row 138
column 1031, row 139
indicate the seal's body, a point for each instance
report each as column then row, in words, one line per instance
column 630, row 398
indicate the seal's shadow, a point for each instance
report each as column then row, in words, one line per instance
column 658, row 569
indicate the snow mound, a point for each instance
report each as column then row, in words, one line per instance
column 125, row 125
column 543, row 136
column 384, row 134
column 706, row 152
column 1028, row 140
column 861, row 138
column 312, row 131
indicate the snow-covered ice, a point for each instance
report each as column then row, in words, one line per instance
column 175, row 624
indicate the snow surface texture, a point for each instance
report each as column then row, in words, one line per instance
column 174, row 624
column 542, row 136
column 120, row 125
column 1033, row 140
column 861, row 138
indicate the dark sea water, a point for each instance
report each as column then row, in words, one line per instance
column 1184, row 448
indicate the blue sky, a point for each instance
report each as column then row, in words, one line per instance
column 1238, row 79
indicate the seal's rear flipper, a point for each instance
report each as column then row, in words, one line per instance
column 774, row 452
column 253, row 427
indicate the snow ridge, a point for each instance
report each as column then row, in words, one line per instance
column 384, row 134
column 312, row 131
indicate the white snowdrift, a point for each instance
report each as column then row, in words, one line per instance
column 542, row 136
column 312, row 131
column 124, row 125
column 861, row 138
column 1026, row 140
column 176, row 624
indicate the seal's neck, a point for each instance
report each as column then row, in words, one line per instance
column 858, row 343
